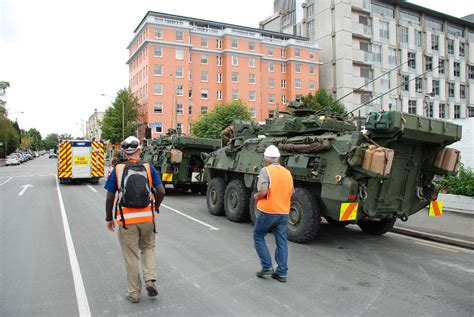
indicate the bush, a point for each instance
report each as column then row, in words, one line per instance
column 461, row 184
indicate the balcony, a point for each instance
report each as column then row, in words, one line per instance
column 363, row 5
column 361, row 56
column 361, row 29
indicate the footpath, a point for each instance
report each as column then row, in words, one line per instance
column 455, row 226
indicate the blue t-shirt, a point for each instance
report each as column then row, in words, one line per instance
column 111, row 184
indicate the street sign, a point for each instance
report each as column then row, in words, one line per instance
column 154, row 124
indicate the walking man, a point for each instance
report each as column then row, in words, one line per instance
column 140, row 194
column 275, row 187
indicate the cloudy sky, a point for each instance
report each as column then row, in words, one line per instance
column 61, row 55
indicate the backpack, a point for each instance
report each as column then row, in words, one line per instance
column 135, row 190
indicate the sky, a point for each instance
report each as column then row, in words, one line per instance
column 59, row 56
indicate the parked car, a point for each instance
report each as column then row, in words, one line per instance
column 12, row 160
column 20, row 156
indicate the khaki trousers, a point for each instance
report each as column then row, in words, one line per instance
column 138, row 237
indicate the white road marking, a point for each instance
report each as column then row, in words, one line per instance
column 92, row 188
column 25, row 187
column 6, row 181
column 437, row 247
column 457, row 266
column 189, row 217
column 81, row 297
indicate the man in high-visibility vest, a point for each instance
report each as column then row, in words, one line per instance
column 136, row 218
column 275, row 187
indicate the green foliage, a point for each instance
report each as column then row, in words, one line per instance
column 51, row 141
column 461, row 184
column 324, row 102
column 112, row 123
column 9, row 135
column 35, row 137
column 210, row 125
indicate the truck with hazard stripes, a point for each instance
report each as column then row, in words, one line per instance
column 370, row 177
column 80, row 160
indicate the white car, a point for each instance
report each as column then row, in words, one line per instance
column 13, row 160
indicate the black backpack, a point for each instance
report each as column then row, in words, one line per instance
column 135, row 191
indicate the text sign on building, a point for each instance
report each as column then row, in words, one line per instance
column 154, row 124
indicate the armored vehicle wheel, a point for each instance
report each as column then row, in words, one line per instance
column 376, row 227
column 215, row 196
column 337, row 223
column 253, row 211
column 235, row 201
column 304, row 219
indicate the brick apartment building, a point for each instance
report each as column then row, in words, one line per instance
column 181, row 67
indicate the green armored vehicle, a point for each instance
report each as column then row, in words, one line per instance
column 178, row 158
column 346, row 176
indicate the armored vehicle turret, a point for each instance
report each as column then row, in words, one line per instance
column 370, row 177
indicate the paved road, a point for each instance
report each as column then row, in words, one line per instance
column 207, row 268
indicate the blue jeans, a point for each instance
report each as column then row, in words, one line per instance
column 279, row 225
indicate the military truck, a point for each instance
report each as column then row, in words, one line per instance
column 370, row 177
column 178, row 158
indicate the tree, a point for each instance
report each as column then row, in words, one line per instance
column 51, row 141
column 324, row 102
column 112, row 123
column 210, row 125
column 65, row 136
column 35, row 137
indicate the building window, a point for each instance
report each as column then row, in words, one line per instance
column 179, row 53
column 418, row 38
column 219, row 95
column 179, row 126
column 310, row 10
column 219, row 77
column 190, row 110
column 412, row 106
column 462, row 91
column 298, row 68
column 462, row 49
column 470, row 69
column 311, row 55
column 178, row 71
column 253, row 112
column 270, row 51
column 411, row 60
column 204, row 110
column 283, row 52
column 470, row 112
column 283, row 99
column 158, row 52
column 434, row 42
column 235, row 60
column 158, row 128
column 219, row 44
column 310, row 30
column 283, row 68
column 190, row 59
column 252, row 79
column 419, row 84
column 312, row 85
column 392, row 56
column 457, row 32
column 271, row 67
column 179, row 35
column 159, row 33
column 451, row 90
column 377, row 53
column 234, row 43
column 179, row 108
column 457, row 111
column 157, row 89
column 219, row 60
column 179, row 90
column 204, row 76
column 311, row 70
column 203, row 41
column 297, row 52
column 428, row 63
column 298, row 83
column 405, row 16
column 441, row 66
column 235, row 94
column 406, row 83
column 252, row 96
column 429, row 110
column 436, row 87
column 235, row 77
column 271, row 82
column 435, row 25
column 204, row 59
column 158, row 108
column 158, row 70
column 252, row 62
column 457, row 69
column 442, row 110
column 383, row 31
column 271, row 114
column 271, row 98
column 450, row 46
column 190, row 92
column 251, row 46
column 283, row 83
column 385, row 82
column 204, row 93
column 403, row 34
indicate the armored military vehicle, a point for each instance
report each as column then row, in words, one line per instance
column 370, row 177
column 178, row 158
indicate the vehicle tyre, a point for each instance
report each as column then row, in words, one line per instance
column 215, row 196
column 376, row 227
column 304, row 218
column 253, row 211
column 337, row 223
column 235, row 201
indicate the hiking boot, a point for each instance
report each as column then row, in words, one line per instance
column 131, row 298
column 264, row 272
column 279, row 278
column 151, row 288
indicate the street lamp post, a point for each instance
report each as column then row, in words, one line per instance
column 123, row 115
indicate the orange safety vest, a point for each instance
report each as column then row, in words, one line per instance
column 134, row 215
column 280, row 189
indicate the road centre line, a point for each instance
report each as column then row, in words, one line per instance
column 92, row 188
column 81, row 297
column 6, row 181
column 437, row 247
column 192, row 218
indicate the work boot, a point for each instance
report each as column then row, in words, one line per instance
column 264, row 272
column 131, row 298
column 279, row 278
column 151, row 288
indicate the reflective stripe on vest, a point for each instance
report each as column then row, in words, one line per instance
column 280, row 189
column 134, row 215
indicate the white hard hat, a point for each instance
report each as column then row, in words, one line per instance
column 130, row 145
column 271, row 151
